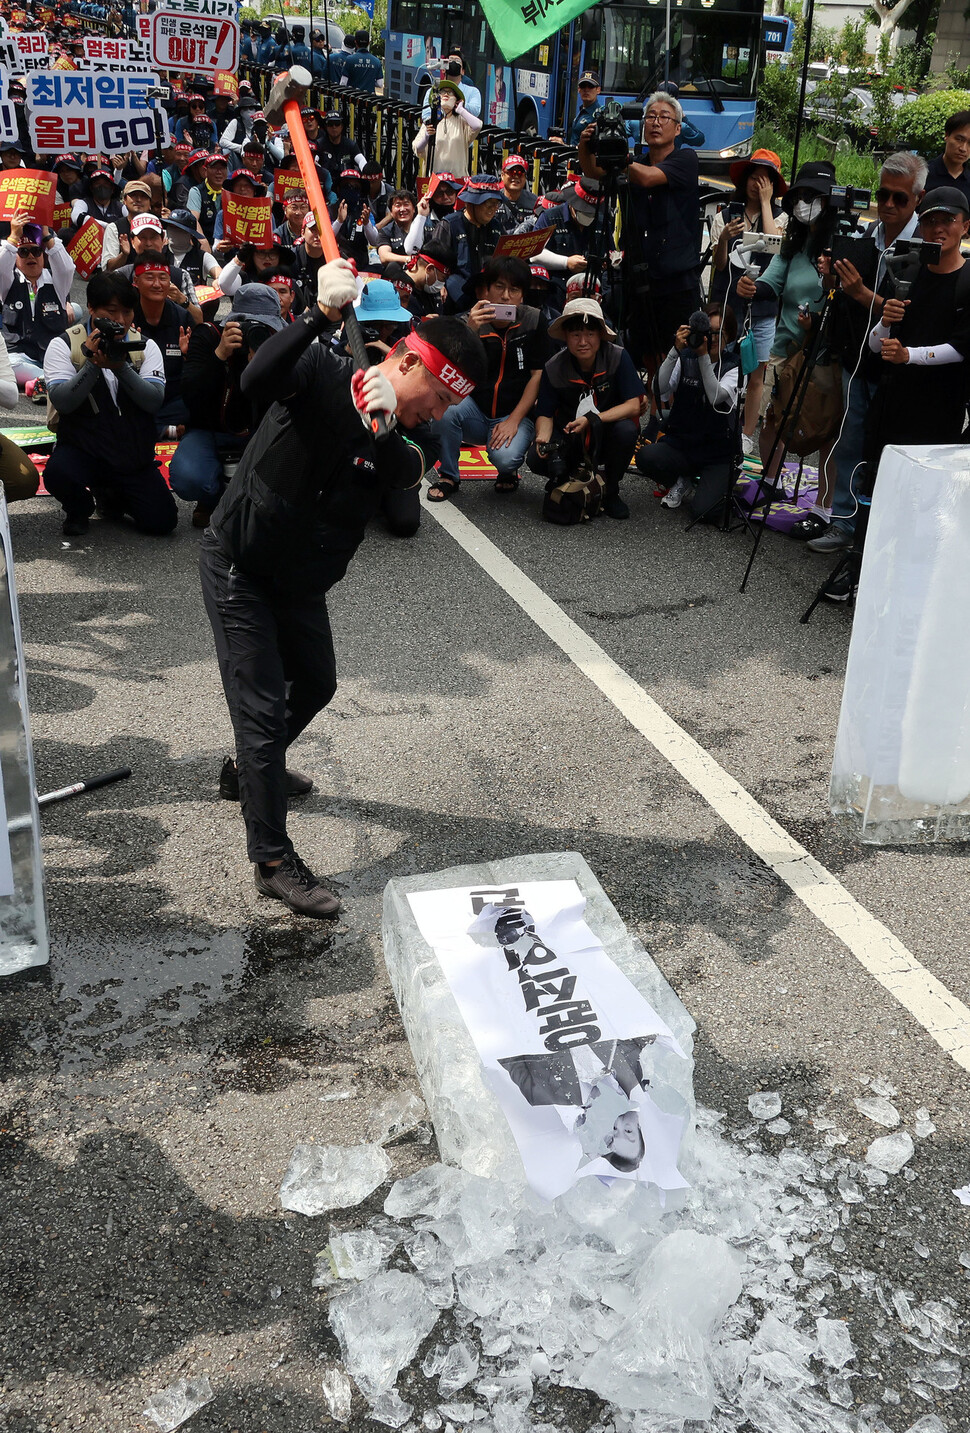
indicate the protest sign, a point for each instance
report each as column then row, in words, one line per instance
column 27, row 189
column 524, row 246
column 9, row 129
column 143, row 24
column 108, row 114
column 62, row 215
column 518, row 25
column 99, row 47
column 213, row 9
column 564, row 1037
column 201, row 44
column 224, row 82
column 85, row 248
column 247, row 221
column 287, row 182
column 24, row 53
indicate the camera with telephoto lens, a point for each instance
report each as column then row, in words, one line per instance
column 698, row 328
column 610, row 144
column 254, row 333
column 114, row 345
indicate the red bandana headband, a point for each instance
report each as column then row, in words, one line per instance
column 150, row 266
column 442, row 368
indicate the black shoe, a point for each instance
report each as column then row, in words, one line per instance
column 75, row 527
column 843, row 587
column 293, row 883
column 108, row 505
column 614, row 506
column 810, row 526
column 296, row 783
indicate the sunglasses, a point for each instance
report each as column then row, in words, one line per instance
column 899, row 197
column 30, row 251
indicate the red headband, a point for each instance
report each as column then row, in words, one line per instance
column 442, row 368
column 150, row 266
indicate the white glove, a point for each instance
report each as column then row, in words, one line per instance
column 373, row 392
column 336, row 284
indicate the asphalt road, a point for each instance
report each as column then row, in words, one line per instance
column 185, row 1036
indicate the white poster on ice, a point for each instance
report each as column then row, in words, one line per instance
column 560, row 1031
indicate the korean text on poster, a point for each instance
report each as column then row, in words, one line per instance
column 99, row 47
column 91, row 112
column 212, row 9
column 287, row 182
column 27, row 189
column 248, row 221
column 524, row 246
column 85, row 248
column 194, row 42
column 62, row 216
column 25, row 52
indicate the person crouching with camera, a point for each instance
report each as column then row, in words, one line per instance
column 220, row 418
column 106, row 384
column 589, row 405
column 696, row 456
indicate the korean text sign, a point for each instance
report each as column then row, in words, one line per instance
column 247, row 221
column 110, row 114
column 85, row 248
column 194, row 42
column 29, row 189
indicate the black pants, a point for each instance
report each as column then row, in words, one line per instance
column 664, row 463
column 277, row 665
column 671, row 309
column 401, row 510
column 612, row 448
column 72, row 476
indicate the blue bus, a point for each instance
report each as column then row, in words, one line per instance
column 779, row 36
column 710, row 48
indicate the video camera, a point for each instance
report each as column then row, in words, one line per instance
column 610, row 144
column 848, row 202
column 254, row 333
column 905, row 258
column 699, row 328
column 116, row 347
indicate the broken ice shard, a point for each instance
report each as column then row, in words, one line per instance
column 472, row 1131
column 338, row 1392
column 764, row 1106
column 834, row 1342
column 171, row 1407
column 890, row 1152
column 396, row 1115
column 660, row 1358
column 880, row 1111
column 380, row 1325
column 355, row 1255
column 328, row 1176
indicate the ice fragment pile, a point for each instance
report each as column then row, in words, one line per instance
column 173, row 1406
column 327, row 1176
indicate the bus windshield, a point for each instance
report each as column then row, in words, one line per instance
column 708, row 50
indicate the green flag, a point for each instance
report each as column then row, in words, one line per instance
column 519, row 24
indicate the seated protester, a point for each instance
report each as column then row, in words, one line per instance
column 240, row 128
column 924, row 340
column 191, row 177
column 307, row 259
column 295, row 210
column 245, row 186
column 572, row 215
column 171, row 166
column 437, row 202
column 220, row 419
column 383, row 323
column 221, row 111
column 116, row 247
column 290, row 296
column 519, row 203
column 496, row 415
column 696, row 458
column 753, row 209
column 36, row 273
column 424, row 276
column 352, row 228
column 589, row 403
column 254, row 266
column 452, row 135
column 469, row 235
column 148, row 238
column 188, row 248
column 395, row 226
column 106, row 401
column 377, row 191
column 197, row 128
column 335, row 151
column 101, row 199
column 158, row 318
column 205, row 199
column 543, row 294
column 70, row 189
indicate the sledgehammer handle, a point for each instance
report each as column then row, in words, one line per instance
column 304, row 158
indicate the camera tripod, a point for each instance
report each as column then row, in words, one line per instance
column 635, row 320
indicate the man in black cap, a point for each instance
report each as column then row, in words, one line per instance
column 362, row 70
column 589, row 104
column 335, row 152
column 295, row 52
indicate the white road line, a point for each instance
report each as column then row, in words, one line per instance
column 940, row 1013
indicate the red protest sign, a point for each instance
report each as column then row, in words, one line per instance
column 287, row 182
column 30, row 189
column 524, row 246
column 62, row 216
column 247, row 221
column 85, row 248
column 224, row 82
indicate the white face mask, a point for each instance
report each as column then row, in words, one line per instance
column 583, row 220
column 433, row 285
column 805, row 211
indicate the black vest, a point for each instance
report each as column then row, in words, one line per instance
column 570, row 386
column 112, row 213
column 207, row 214
column 29, row 331
column 694, row 425
column 120, row 436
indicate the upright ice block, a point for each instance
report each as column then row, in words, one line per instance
column 901, row 771
column 472, row 1131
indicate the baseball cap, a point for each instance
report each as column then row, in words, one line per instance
column 515, row 161
column 217, row 159
column 137, row 186
column 102, row 174
column 539, row 273
column 481, row 189
column 333, row 116
column 141, row 222
column 67, row 161
column 576, row 197
column 589, row 77
column 945, row 200
column 193, row 158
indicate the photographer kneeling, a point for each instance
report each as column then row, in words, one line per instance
column 106, row 384
column 589, row 404
column 220, row 418
column 700, row 438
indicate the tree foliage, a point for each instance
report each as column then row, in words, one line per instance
column 920, row 124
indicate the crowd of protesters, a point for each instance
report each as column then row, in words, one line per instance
column 587, row 381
